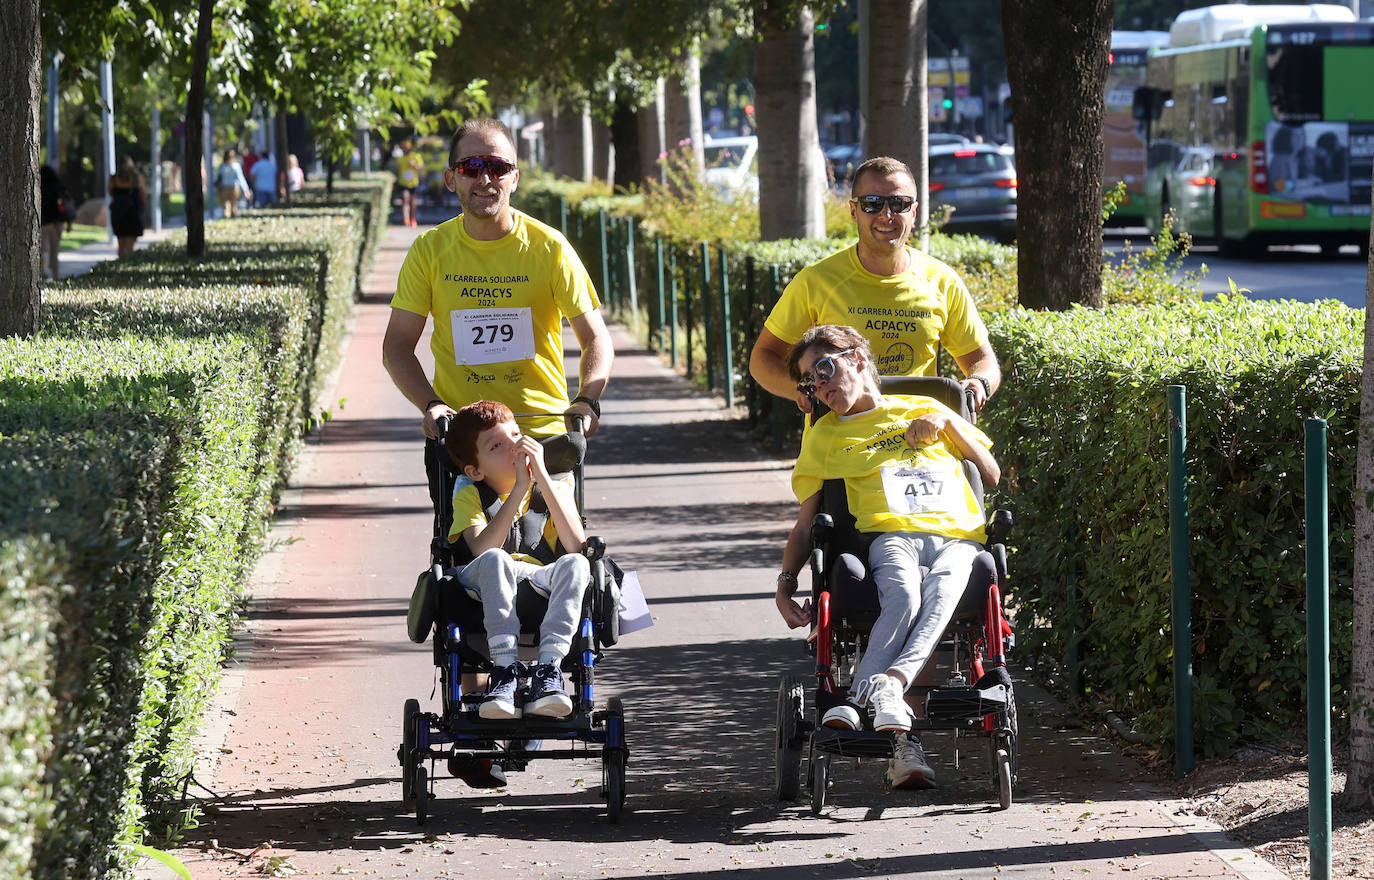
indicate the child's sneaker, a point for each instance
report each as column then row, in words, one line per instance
column 502, row 690
column 547, row 696
column 890, row 711
column 908, row 767
column 844, row 716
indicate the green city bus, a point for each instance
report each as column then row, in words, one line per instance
column 1123, row 137
column 1259, row 131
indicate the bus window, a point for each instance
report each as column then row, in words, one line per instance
column 1295, row 82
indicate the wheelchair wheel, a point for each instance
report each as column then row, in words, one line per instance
column 407, row 750
column 787, row 745
column 421, row 787
column 1003, row 770
column 613, row 771
column 820, row 782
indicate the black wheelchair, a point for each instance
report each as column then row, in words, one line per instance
column 443, row 613
column 977, row 698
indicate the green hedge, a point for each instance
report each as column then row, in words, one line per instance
column 143, row 434
column 1081, row 431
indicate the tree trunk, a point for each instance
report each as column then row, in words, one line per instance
column 896, row 114
column 603, row 163
column 1359, row 779
column 282, row 152
column 791, row 168
column 1057, row 107
column 625, row 138
column 195, row 133
column 19, row 98
column 682, row 110
column 651, row 138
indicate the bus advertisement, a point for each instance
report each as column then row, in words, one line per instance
column 1262, row 133
column 1123, row 137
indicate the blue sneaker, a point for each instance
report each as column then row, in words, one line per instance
column 503, row 689
column 547, row 696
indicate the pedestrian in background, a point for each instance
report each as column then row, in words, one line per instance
column 54, row 209
column 295, row 177
column 264, row 177
column 128, row 194
column 230, row 184
column 410, row 169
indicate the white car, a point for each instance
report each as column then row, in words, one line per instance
column 730, row 163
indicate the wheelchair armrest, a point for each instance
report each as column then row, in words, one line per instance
column 1000, row 527
column 594, row 548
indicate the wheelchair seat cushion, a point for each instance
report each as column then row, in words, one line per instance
column 854, row 594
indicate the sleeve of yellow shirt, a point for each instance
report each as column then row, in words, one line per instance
column 467, row 511
column 413, row 290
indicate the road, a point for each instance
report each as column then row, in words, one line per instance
column 1298, row 273
column 300, row 766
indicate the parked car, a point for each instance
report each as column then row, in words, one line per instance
column 844, row 158
column 978, row 181
column 730, row 163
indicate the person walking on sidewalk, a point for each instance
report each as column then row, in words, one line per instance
column 54, row 210
column 128, row 194
column 498, row 284
column 907, row 304
column 410, row 169
column 265, row 184
column 230, row 184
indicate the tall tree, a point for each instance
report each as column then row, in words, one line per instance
column 1359, row 778
column 791, row 168
column 19, row 93
column 1057, row 109
column 195, row 130
column 897, row 121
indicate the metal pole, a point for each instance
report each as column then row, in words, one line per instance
column 774, row 285
column 108, row 146
column 1318, row 658
column 563, row 216
column 630, row 285
column 706, row 314
column 728, row 377
column 605, row 267
column 155, row 197
column 1182, row 607
column 657, row 339
column 748, row 326
column 672, row 298
column 53, row 115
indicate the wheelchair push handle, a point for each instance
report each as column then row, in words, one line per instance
column 441, row 424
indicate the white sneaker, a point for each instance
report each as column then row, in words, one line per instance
column 890, row 711
column 908, row 768
column 842, row 717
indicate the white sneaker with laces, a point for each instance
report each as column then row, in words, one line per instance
column 908, row 768
column 842, row 717
column 890, row 711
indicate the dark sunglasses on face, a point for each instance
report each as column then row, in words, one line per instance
column 474, row 166
column 821, row 371
column 874, row 204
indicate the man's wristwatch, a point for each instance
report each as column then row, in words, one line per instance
column 987, row 386
column 594, row 405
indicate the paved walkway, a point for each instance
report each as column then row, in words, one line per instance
column 301, row 748
column 78, row 261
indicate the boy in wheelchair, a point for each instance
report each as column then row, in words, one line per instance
column 901, row 461
column 509, row 478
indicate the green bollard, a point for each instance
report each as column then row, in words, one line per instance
column 563, row 216
column 672, row 298
column 728, row 377
column 657, row 338
column 1318, row 658
column 1182, row 618
column 605, row 267
column 631, row 289
column 775, row 410
column 706, row 315
column 750, row 399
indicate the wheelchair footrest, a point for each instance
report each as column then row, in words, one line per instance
column 853, row 743
column 958, row 703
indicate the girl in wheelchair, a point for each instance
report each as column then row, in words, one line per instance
column 507, row 471
column 901, row 461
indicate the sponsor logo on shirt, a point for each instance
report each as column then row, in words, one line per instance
column 898, row 360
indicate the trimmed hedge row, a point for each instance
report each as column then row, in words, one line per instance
column 1082, row 427
column 144, row 433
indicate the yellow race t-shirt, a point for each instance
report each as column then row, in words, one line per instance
column 892, row 487
column 409, row 168
column 498, row 308
column 468, row 512
column 904, row 317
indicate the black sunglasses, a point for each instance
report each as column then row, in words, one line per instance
column 821, row 371
column 473, row 166
column 874, row 204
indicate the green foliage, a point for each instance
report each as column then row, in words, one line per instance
column 142, row 437
column 1081, row 421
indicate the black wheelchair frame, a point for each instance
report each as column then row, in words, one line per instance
column 978, row 697
column 443, row 613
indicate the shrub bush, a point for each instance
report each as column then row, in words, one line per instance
column 1082, row 428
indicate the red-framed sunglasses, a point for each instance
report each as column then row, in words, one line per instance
column 474, row 166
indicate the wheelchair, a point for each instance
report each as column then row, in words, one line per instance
column 442, row 613
column 976, row 699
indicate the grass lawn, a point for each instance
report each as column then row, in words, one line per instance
column 173, row 205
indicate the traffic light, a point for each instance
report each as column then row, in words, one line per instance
column 947, row 103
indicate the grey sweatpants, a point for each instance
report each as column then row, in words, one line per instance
column 492, row 578
column 914, row 610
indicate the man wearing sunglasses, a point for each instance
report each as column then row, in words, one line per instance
column 907, row 304
column 498, row 284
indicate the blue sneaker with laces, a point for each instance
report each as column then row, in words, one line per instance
column 547, row 696
column 503, row 689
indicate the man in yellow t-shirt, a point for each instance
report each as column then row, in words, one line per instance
column 904, row 302
column 410, row 170
column 498, row 284
column 901, row 461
